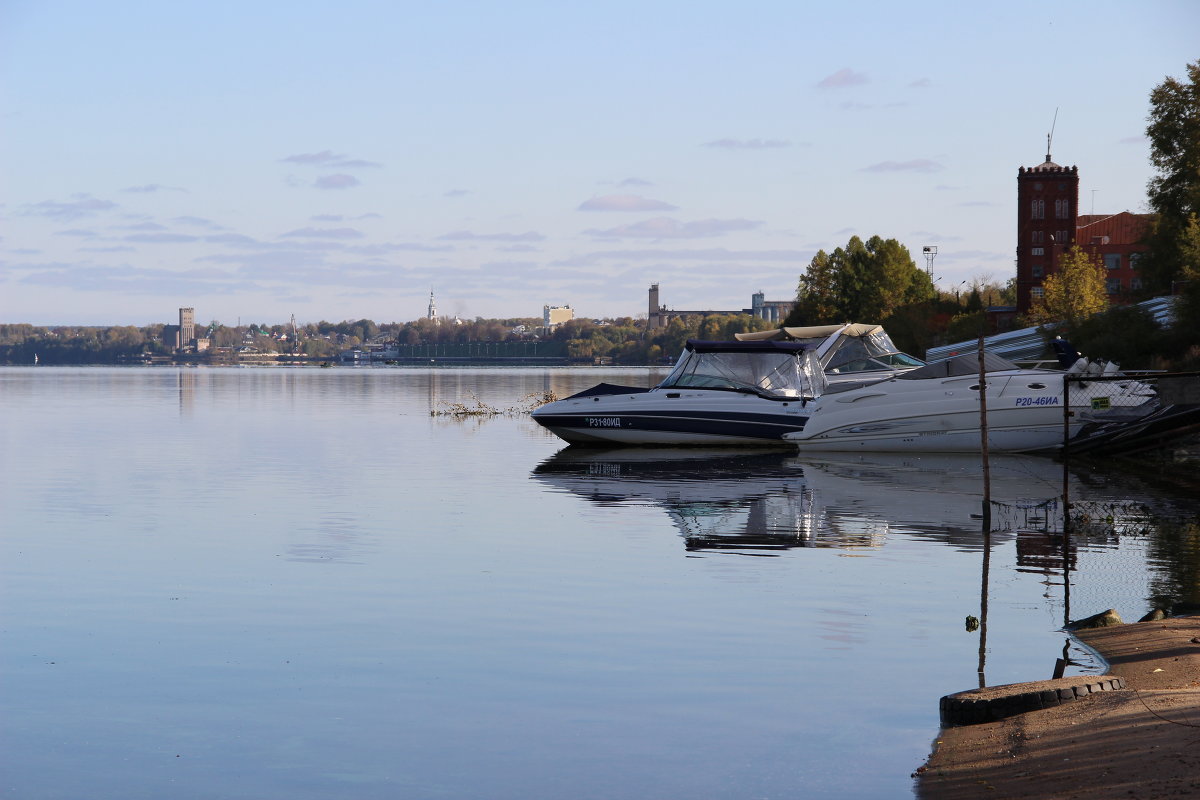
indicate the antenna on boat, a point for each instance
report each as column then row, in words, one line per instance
column 1050, row 135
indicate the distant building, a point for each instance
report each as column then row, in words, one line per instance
column 659, row 316
column 187, row 326
column 553, row 316
column 432, row 314
column 1048, row 223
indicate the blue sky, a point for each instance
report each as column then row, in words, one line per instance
column 336, row 161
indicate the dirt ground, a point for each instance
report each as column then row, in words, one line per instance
column 1141, row 742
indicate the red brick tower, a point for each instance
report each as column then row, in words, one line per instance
column 1047, row 209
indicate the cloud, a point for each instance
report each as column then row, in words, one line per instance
column 343, row 218
column 328, row 158
column 916, row 165
column 336, row 181
column 456, row 193
column 921, row 83
column 842, row 79
column 667, row 228
column 1139, row 139
column 142, row 226
column 468, row 236
column 119, row 248
column 234, row 240
column 152, row 187
column 324, row 233
column 635, row 182
column 625, row 202
column 198, row 222
column 160, row 238
column 81, row 232
column 81, row 205
column 977, row 204
column 691, row 256
column 748, row 144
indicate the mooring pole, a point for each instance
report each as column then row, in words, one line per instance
column 1066, row 453
column 983, row 442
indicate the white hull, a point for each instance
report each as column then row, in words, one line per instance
column 1025, row 414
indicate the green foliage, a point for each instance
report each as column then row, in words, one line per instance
column 1074, row 293
column 967, row 325
column 1174, row 192
column 1125, row 334
column 862, row 282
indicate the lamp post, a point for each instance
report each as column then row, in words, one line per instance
column 929, row 251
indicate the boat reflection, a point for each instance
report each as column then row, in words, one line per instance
column 755, row 502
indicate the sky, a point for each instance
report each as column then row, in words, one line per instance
column 334, row 161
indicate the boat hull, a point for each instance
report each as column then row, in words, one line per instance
column 706, row 418
column 1025, row 415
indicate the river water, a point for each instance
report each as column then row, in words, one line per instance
column 310, row 583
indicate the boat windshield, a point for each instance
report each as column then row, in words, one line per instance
column 867, row 353
column 775, row 373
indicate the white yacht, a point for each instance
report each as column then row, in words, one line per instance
column 936, row 408
column 719, row 393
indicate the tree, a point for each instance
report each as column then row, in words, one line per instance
column 1075, row 292
column 1174, row 193
column 863, row 282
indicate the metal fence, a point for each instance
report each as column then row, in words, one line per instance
column 1128, row 412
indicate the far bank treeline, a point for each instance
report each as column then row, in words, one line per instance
column 617, row 341
column 875, row 281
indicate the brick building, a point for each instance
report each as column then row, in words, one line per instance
column 1048, row 223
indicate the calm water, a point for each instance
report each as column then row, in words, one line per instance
column 260, row 583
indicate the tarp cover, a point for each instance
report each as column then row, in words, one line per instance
column 813, row 332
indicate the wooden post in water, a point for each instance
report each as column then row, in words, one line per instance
column 983, row 442
column 1066, row 452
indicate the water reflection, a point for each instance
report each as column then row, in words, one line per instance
column 759, row 503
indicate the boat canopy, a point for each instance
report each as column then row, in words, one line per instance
column 850, row 348
column 780, row 370
column 958, row 366
column 810, row 332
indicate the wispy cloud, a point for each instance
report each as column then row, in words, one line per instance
column 690, row 255
column 456, row 193
column 197, row 222
column 343, row 218
column 842, row 79
column 667, row 228
column 625, row 202
column 1139, row 139
column 916, row 165
column 80, row 205
column 323, row 233
column 142, row 226
column 328, row 158
column 336, row 181
column 150, row 188
column 160, row 238
column 749, row 144
column 468, row 236
column 83, row 233
column 634, row 182
column 921, row 83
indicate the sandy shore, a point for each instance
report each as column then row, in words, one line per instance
column 1140, row 742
